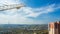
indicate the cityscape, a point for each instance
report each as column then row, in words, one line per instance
column 29, row 16
column 51, row 28
column 23, row 29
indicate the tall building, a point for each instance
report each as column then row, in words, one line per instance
column 54, row 28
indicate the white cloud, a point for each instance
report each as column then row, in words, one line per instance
column 34, row 12
column 20, row 16
column 9, row 2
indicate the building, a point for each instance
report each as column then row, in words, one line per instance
column 54, row 28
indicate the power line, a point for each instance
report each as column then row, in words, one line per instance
column 13, row 6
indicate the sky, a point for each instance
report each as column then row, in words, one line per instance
column 33, row 12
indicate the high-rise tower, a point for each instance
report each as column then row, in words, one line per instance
column 54, row 28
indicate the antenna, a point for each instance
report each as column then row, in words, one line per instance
column 8, row 22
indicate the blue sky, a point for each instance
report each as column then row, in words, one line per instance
column 48, row 17
column 34, row 12
column 40, row 3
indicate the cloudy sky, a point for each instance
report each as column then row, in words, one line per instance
column 34, row 12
